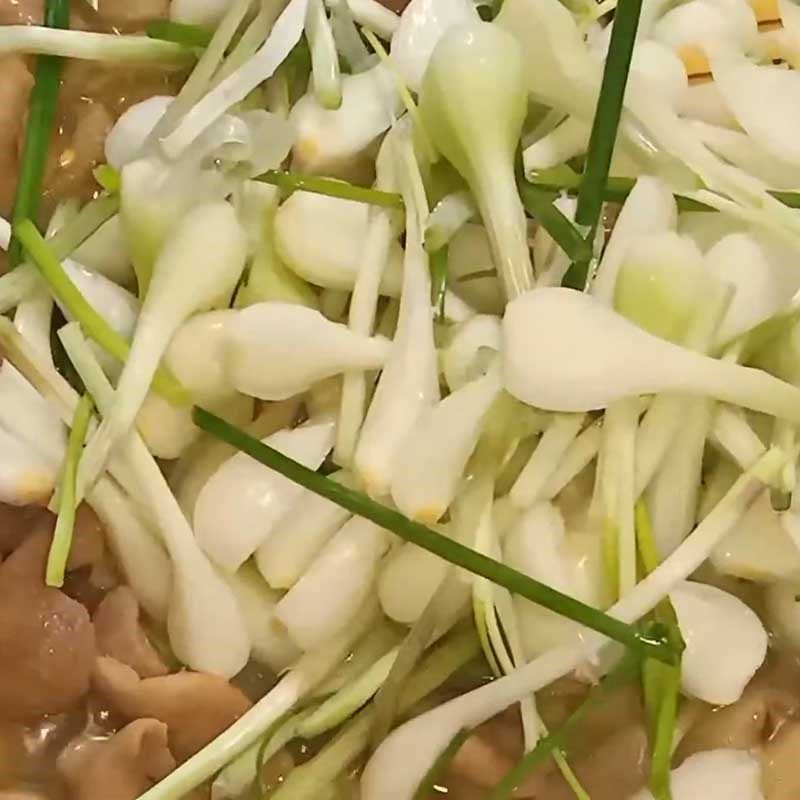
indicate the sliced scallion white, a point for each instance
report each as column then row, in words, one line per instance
column 267, row 333
column 448, row 549
column 231, row 532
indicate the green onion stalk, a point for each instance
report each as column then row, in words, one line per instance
column 39, row 129
column 604, row 131
column 661, row 682
column 65, row 524
column 331, row 187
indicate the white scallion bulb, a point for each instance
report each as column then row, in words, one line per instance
column 335, row 140
column 725, row 642
column 431, row 463
column 473, row 102
column 330, row 258
column 277, row 350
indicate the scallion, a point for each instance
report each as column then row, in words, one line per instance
column 564, row 179
column 87, row 222
column 539, row 204
column 661, row 682
column 179, row 33
column 93, row 325
column 387, row 699
column 439, row 279
column 62, row 538
column 604, row 130
column 331, row 187
column 665, row 688
column 426, row 146
column 39, row 129
column 436, row 543
column 108, row 177
column 90, row 46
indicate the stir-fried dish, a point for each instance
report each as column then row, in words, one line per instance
column 399, row 400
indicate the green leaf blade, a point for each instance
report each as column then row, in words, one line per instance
column 179, row 33
column 39, row 129
column 603, row 137
column 331, row 187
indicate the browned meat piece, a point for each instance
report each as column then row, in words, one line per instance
column 13, row 753
column 120, row 636
column 195, row 707
column 16, row 82
column 119, row 768
column 27, row 563
column 46, row 651
column 126, row 15
column 47, row 645
column 612, row 726
column 741, row 726
column 490, row 752
column 16, row 523
column 92, row 96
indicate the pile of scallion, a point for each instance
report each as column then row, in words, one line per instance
column 396, row 342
